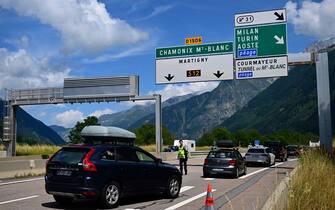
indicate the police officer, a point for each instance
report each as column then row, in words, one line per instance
column 182, row 156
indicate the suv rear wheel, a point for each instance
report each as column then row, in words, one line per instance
column 173, row 187
column 110, row 195
column 63, row 200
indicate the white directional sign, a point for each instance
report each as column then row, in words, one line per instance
column 261, row 44
column 195, row 63
column 261, row 67
column 260, row 18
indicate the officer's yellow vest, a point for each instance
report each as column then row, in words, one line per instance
column 181, row 152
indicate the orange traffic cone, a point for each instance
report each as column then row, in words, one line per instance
column 209, row 203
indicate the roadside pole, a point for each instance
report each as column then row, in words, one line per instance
column 323, row 92
column 158, row 123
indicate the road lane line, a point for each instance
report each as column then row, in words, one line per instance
column 19, row 199
column 258, row 171
column 188, row 201
column 208, row 179
column 21, row 181
column 292, row 159
column 185, row 188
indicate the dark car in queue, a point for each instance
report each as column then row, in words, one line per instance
column 107, row 173
column 278, row 149
column 293, row 150
column 260, row 155
column 224, row 162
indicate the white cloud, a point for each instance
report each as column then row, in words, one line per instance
column 185, row 89
column 170, row 91
column 315, row 19
column 98, row 113
column 68, row 118
column 83, row 25
column 19, row 69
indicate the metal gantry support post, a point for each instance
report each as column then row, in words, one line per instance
column 158, row 122
column 323, row 92
column 11, row 144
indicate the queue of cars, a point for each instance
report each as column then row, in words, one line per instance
column 108, row 167
column 225, row 159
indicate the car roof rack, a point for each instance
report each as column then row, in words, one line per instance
column 97, row 134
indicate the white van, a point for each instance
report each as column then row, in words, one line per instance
column 189, row 144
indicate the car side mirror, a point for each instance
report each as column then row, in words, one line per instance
column 158, row 160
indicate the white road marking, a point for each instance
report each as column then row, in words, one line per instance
column 208, row 179
column 21, row 181
column 258, row 171
column 188, row 201
column 185, row 188
column 19, row 199
column 131, row 209
column 292, row 159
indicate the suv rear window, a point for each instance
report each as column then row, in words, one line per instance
column 70, row 156
column 220, row 154
column 256, row 151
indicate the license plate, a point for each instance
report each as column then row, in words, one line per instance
column 217, row 169
column 64, row 173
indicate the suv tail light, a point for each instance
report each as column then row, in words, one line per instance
column 232, row 162
column 87, row 164
column 206, row 161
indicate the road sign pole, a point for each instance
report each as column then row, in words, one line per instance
column 323, row 91
column 158, row 123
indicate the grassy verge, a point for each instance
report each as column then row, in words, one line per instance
column 25, row 149
column 312, row 187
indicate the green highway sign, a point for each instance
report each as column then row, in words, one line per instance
column 194, row 50
column 260, row 44
column 195, row 63
column 260, row 41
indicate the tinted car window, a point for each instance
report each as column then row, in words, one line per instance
column 70, row 155
column 144, row 157
column 220, row 154
column 108, row 155
column 268, row 150
column 126, row 154
column 256, row 151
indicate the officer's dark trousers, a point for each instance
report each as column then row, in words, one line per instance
column 183, row 163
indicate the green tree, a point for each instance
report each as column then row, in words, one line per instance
column 74, row 135
column 145, row 135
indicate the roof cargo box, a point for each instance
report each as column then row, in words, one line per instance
column 96, row 134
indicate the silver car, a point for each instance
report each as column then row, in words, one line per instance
column 260, row 155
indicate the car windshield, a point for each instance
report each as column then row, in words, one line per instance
column 255, row 151
column 70, row 155
column 220, row 154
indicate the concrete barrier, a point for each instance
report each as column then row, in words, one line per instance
column 12, row 168
column 279, row 198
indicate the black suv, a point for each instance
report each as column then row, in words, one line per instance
column 107, row 173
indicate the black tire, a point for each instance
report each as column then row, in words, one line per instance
column 173, row 187
column 63, row 200
column 245, row 170
column 110, row 195
column 205, row 174
column 237, row 173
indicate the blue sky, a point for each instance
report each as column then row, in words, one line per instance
column 41, row 43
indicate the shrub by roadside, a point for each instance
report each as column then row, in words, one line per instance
column 312, row 187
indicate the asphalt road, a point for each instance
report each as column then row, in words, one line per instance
column 247, row 192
